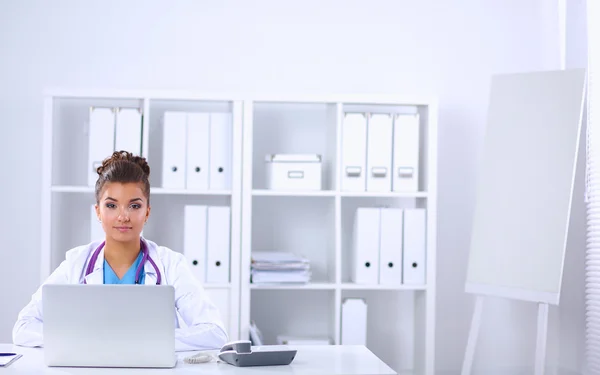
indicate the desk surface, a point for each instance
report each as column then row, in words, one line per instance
column 328, row 359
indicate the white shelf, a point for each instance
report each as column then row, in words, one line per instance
column 72, row 189
column 297, row 221
column 350, row 286
column 332, row 286
column 370, row 194
column 293, row 193
column 315, row 286
column 321, row 230
column 216, row 286
column 153, row 190
column 334, row 193
column 67, row 197
column 157, row 190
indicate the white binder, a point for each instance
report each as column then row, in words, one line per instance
column 96, row 231
column 218, row 249
column 407, row 329
column 128, row 135
column 101, row 140
column 174, row 144
column 354, row 322
column 379, row 152
column 198, row 138
column 365, row 250
column 406, row 153
column 221, row 134
column 414, row 246
column 390, row 247
column 194, row 239
column 220, row 298
column 354, row 152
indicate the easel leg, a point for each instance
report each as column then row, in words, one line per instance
column 473, row 334
column 542, row 335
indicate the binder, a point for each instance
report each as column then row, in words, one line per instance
column 194, row 239
column 407, row 329
column 197, row 148
column 174, row 145
column 220, row 298
column 221, row 134
column 354, row 152
column 406, row 153
column 354, row 322
column 96, row 231
column 414, row 246
column 218, row 244
column 101, row 140
column 390, row 246
column 365, row 254
column 379, row 152
column 128, row 131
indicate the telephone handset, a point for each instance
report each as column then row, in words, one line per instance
column 242, row 354
column 242, row 346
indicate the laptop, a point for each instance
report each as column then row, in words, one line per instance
column 109, row 325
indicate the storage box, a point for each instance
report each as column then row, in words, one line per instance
column 293, row 171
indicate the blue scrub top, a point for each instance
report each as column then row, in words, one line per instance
column 129, row 278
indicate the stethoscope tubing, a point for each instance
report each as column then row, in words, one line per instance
column 145, row 258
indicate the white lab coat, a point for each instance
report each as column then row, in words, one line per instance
column 203, row 327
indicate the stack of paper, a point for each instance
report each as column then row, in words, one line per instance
column 279, row 267
column 302, row 340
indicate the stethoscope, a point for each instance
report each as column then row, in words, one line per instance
column 145, row 258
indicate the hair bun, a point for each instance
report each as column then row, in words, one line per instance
column 123, row 156
column 123, row 167
column 143, row 164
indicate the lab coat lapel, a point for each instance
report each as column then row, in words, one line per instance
column 97, row 275
column 151, row 276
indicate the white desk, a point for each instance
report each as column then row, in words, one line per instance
column 328, row 359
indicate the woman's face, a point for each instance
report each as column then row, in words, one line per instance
column 123, row 210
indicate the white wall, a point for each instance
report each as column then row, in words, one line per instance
column 443, row 48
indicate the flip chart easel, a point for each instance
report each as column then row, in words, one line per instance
column 524, row 194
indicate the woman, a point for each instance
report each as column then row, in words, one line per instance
column 123, row 208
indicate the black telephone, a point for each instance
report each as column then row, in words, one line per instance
column 242, row 353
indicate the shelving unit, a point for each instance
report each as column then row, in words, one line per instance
column 315, row 224
column 318, row 226
column 67, row 197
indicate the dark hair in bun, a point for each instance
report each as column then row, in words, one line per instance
column 123, row 167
